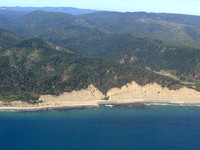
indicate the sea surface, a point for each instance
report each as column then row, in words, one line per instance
column 127, row 127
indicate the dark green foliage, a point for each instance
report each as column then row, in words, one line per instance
column 198, row 86
column 7, row 38
column 79, row 35
column 35, row 67
column 86, row 38
column 193, row 33
column 143, row 52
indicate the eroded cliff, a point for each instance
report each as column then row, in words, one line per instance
column 129, row 93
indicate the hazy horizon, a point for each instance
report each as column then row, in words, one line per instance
column 157, row 6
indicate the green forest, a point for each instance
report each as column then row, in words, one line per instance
column 54, row 52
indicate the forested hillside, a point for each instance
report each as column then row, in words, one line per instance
column 144, row 52
column 102, row 34
column 7, row 38
column 34, row 67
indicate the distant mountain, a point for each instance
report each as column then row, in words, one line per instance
column 173, row 27
column 7, row 38
column 35, row 67
column 54, row 26
column 5, row 21
column 20, row 11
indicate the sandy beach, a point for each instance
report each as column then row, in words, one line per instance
column 18, row 105
column 92, row 97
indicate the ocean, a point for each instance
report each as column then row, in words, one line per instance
column 124, row 127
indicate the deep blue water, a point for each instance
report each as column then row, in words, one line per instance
column 136, row 127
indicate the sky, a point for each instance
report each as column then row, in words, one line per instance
column 168, row 6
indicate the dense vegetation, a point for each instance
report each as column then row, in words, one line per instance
column 34, row 67
column 143, row 52
column 79, row 35
column 7, row 38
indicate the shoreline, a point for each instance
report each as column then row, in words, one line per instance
column 91, row 97
column 97, row 105
column 65, row 104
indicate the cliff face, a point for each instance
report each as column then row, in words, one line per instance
column 89, row 94
column 154, row 93
column 129, row 93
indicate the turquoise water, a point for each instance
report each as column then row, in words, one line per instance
column 135, row 127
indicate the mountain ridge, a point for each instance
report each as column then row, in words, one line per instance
column 24, row 10
column 164, row 26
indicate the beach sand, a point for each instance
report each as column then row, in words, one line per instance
column 130, row 93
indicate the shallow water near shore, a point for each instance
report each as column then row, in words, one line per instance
column 122, row 127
